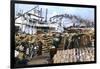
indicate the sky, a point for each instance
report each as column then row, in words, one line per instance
column 85, row 13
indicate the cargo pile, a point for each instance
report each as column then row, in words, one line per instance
column 74, row 55
column 61, row 47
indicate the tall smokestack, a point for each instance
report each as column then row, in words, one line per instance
column 46, row 15
column 41, row 13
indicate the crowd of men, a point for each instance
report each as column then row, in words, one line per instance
column 27, row 46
